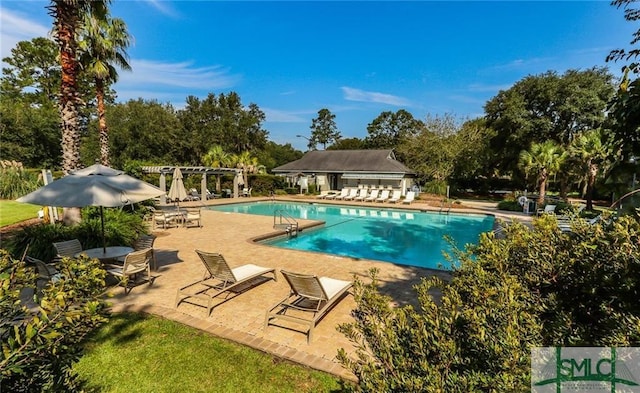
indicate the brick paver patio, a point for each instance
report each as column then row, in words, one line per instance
column 241, row 319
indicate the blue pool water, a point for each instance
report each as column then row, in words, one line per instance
column 399, row 236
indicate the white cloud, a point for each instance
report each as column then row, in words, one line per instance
column 352, row 94
column 280, row 116
column 16, row 27
column 164, row 7
column 176, row 75
column 521, row 63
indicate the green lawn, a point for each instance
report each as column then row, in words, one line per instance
column 142, row 353
column 12, row 212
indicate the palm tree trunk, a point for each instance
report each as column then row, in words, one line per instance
column 102, row 123
column 593, row 172
column 543, row 187
column 67, row 19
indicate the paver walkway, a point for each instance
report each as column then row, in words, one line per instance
column 241, row 319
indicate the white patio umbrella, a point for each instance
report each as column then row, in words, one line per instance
column 96, row 185
column 177, row 191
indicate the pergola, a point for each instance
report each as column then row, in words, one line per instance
column 194, row 170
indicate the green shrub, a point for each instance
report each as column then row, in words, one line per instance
column 121, row 228
column 16, row 181
column 512, row 206
column 539, row 287
column 437, row 187
column 41, row 343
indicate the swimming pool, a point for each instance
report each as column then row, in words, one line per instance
column 406, row 237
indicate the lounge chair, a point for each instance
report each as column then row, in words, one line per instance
column 373, row 196
column 344, row 192
column 193, row 195
column 134, row 263
column 221, row 278
column 310, row 298
column 353, row 193
column 395, row 197
column 46, row 273
column 362, row 195
column 166, row 220
column 142, row 243
column 548, row 209
column 384, row 195
column 409, row 198
column 192, row 217
column 68, row 248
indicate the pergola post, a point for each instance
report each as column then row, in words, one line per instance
column 203, row 187
column 236, row 192
column 163, row 187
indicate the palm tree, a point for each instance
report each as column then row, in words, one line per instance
column 216, row 157
column 592, row 152
column 103, row 46
column 543, row 159
column 247, row 163
column 67, row 15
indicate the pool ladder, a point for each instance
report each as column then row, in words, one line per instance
column 444, row 208
column 282, row 220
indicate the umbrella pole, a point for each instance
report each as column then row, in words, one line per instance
column 104, row 243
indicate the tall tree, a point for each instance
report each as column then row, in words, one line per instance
column 388, row 129
column 67, row 18
column 103, row 45
column 221, row 120
column 348, row 144
column 433, row 151
column 547, row 107
column 323, row 129
column 32, row 72
column 543, row 160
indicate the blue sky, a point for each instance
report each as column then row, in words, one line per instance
column 357, row 59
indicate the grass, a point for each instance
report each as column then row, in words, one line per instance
column 12, row 212
column 143, row 353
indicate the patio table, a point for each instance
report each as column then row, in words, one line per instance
column 107, row 254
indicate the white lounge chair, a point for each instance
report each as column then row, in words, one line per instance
column 309, row 299
column 134, row 263
column 409, row 198
column 362, row 195
column 343, row 193
column 395, row 197
column 548, row 209
column 220, row 279
column 352, row 194
column 384, row 195
column 373, row 196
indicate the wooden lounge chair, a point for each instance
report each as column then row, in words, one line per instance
column 310, row 298
column 134, row 263
column 220, row 278
column 409, row 198
column 395, row 197
column 384, row 195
